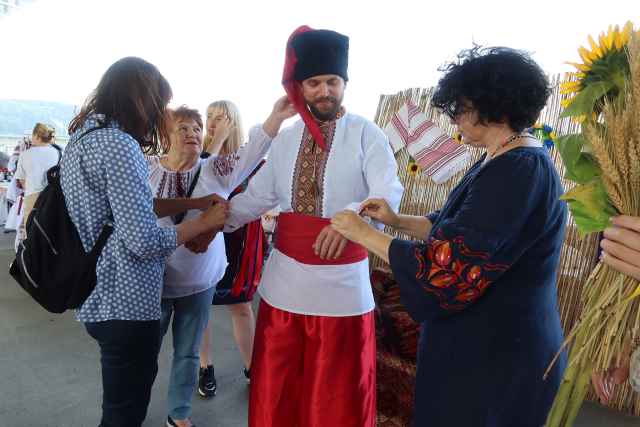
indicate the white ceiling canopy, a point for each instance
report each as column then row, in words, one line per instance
column 9, row 6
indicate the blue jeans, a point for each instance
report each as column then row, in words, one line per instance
column 190, row 318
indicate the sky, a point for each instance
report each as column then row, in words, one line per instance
column 234, row 50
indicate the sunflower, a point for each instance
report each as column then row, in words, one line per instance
column 458, row 138
column 606, row 63
column 413, row 168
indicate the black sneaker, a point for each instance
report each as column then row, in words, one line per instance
column 247, row 375
column 170, row 422
column 207, row 385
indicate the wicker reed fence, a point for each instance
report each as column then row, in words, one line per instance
column 422, row 196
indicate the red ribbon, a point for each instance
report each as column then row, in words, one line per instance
column 294, row 91
column 251, row 261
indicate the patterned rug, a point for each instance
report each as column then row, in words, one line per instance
column 397, row 347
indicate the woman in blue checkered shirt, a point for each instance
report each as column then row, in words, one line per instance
column 105, row 172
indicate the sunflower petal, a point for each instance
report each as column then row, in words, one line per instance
column 616, row 38
column 626, row 32
column 575, row 75
column 566, row 85
column 609, row 38
column 584, row 53
column 580, row 67
column 603, row 43
column 595, row 48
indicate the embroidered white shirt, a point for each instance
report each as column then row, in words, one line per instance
column 360, row 166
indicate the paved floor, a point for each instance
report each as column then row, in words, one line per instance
column 50, row 370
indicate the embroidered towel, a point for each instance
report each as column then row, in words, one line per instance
column 435, row 151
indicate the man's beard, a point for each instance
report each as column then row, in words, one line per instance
column 325, row 115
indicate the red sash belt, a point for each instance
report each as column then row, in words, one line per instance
column 296, row 234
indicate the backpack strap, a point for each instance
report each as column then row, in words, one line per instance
column 102, row 126
column 193, row 183
column 107, row 230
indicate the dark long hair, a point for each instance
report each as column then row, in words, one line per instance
column 133, row 93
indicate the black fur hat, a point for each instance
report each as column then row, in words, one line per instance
column 321, row 52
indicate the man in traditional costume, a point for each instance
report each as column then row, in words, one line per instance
column 314, row 352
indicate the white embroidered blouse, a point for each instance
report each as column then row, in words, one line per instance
column 187, row 273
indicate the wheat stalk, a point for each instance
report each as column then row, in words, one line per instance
column 633, row 117
column 618, row 140
column 610, row 176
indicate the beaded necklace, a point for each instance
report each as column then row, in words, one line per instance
column 504, row 144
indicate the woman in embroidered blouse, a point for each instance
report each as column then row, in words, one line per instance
column 621, row 250
column 103, row 172
column 190, row 278
column 483, row 283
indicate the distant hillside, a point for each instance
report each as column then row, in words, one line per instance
column 18, row 116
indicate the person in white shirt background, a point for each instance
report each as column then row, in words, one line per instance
column 34, row 163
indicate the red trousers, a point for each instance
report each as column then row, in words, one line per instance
column 312, row 371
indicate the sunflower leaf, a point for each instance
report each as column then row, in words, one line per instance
column 584, row 170
column 583, row 103
column 590, row 206
column 570, row 147
column 586, row 222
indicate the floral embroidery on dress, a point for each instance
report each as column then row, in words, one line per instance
column 223, row 165
column 466, row 279
column 308, row 179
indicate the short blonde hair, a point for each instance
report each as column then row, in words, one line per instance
column 236, row 138
column 45, row 132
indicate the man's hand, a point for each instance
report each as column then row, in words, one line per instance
column 622, row 245
column 612, row 375
column 350, row 225
column 330, row 243
column 283, row 109
column 204, row 203
column 201, row 243
column 379, row 209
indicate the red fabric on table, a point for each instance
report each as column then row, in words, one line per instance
column 312, row 371
column 296, row 234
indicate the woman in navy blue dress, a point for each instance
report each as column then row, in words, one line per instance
column 483, row 281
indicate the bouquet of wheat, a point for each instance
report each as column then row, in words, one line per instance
column 604, row 160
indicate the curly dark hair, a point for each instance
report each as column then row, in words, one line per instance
column 500, row 83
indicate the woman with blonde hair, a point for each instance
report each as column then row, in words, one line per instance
column 223, row 118
column 34, row 163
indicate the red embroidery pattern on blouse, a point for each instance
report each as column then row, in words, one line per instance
column 223, row 165
column 467, row 278
column 310, row 167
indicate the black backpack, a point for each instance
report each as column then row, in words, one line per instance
column 51, row 263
